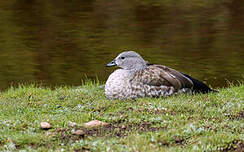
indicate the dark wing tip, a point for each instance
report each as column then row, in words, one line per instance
column 200, row 87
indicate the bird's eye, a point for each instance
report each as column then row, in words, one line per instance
column 122, row 57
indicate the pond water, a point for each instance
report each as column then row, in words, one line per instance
column 62, row 42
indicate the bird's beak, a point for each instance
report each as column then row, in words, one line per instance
column 111, row 64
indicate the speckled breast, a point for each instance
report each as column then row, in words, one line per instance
column 118, row 85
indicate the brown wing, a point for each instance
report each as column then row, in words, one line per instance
column 158, row 75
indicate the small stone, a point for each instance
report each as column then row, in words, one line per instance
column 79, row 132
column 72, row 124
column 95, row 123
column 45, row 125
column 123, row 127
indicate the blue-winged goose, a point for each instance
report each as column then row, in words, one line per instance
column 137, row 79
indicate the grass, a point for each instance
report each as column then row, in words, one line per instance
column 210, row 122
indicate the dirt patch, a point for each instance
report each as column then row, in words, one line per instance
column 241, row 114
column 111, row 130
column 240, row 147
column 235, row 145
column 33, row 145
column 120, row 130
column 83, row 149
column 238, row 116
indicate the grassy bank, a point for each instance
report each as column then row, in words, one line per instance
column 186, row 122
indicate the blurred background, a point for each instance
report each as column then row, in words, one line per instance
column 61, row 42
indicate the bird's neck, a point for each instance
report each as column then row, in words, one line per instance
column 136, row 68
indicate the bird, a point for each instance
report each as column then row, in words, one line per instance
column 136, row 78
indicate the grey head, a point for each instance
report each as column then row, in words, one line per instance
column 128, row 60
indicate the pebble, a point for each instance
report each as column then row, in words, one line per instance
column 94, row 123
column 79, row 132
column 71, row 124
column 45, row 125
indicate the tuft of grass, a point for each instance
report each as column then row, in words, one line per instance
column 203, row 122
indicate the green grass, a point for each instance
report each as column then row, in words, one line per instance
column 207, row 122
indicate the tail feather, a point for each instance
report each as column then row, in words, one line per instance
column 199, row 87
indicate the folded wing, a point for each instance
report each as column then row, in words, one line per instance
column 159, row 75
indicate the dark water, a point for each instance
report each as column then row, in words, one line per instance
column 59, row 42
